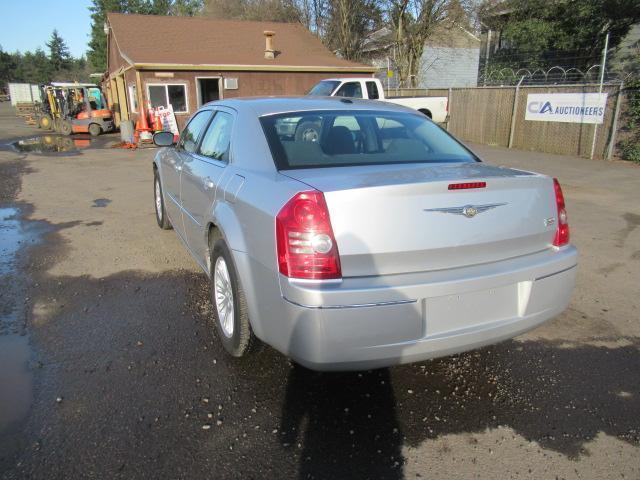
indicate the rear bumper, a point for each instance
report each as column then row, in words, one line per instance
column 372, row 322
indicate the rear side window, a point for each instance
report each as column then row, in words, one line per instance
column 349, row 138
column 350, row 89
column 216, row 140
column 191, row 133
column 372, row 90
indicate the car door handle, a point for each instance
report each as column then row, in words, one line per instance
column 208, row 183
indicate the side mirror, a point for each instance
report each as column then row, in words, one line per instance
column 163, row 139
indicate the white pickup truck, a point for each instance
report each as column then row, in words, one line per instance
column 436, row 108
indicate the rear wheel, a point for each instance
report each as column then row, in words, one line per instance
column 95, row 130
column 229, row 304
column 161, row 214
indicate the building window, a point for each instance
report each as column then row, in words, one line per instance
column 133, row 98
column 163, row 95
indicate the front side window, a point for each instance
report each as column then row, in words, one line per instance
column 191, row 133
column 324, row 88
column 332, row 138
column 216, row 140
column 350, row 89
column 163, row 95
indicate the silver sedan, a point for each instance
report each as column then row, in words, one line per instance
column 355, row 234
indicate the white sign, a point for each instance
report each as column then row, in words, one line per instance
column 566, row 107
column 168, row 119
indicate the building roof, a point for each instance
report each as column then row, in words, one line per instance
column 188, row 41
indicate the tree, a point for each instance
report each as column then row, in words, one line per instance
column 414, row 21
column 349, row 23
column 260, row 10
column 567, row 33
column 59, row 56
column 7, row 67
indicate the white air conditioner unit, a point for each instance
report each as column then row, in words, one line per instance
column 231, row 83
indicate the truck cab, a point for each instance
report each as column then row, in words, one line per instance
column 436, row 108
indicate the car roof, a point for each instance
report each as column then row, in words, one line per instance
column 271, row 105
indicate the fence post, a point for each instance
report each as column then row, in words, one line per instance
column 514, row 110
column 614, row 124
column 449, row 108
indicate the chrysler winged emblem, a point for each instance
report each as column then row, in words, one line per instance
column 468, row 211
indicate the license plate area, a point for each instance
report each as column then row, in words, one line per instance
column 462, row 311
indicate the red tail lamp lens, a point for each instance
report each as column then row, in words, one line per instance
column 562, row 230
column 306, row 245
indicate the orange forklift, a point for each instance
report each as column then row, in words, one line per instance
column 76, row 108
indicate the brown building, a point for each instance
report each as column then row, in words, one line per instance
column 189, row 61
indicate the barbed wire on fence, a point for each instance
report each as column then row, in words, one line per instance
column 555, row 75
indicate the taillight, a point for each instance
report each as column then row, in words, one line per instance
column 304, row 237
column 562, row 230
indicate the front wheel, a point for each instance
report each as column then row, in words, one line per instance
column 65, row 127
column 161, row 214
column 229, row 303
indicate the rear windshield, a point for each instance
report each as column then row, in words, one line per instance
column 324, row 88
column 348, row 138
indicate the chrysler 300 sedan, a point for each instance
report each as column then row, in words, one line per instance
column 355, row 234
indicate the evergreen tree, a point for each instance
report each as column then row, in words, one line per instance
column 59, row 55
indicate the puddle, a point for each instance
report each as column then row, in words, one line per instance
column 101, row 202
column 45, row 144
column 15, row 351
column 11, row 238
column 15, row 379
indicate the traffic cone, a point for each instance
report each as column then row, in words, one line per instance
column 141, row 123
column 157, row 124
column 142, row 127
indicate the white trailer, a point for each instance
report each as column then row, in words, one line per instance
column 24, row 93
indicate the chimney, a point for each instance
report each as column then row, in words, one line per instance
column 269, row 51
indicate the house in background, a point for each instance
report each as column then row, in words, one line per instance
column 189, row 61
column 450, row 58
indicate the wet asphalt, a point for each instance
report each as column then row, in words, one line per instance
column 110, row 368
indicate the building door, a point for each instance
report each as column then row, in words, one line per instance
column 208, row 90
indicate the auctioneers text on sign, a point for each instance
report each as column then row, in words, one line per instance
column 566, row 107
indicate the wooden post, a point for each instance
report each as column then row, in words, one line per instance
column 139, row 91
column 514, row 110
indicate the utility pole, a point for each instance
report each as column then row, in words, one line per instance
column 486, row 58
column 602, row 67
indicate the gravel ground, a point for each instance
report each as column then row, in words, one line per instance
column 114, row 371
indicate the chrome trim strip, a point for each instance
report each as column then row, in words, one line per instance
column 556, row 273
column 357, row 305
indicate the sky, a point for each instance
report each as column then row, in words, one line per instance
column 27, row 24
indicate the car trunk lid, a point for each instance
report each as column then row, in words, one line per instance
column 390, row 219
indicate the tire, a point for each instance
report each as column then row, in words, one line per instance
column 65, row 127
column 158, row 201
column 95, row 130
column 234, row 332
column 45, row 122
column 308, row 132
